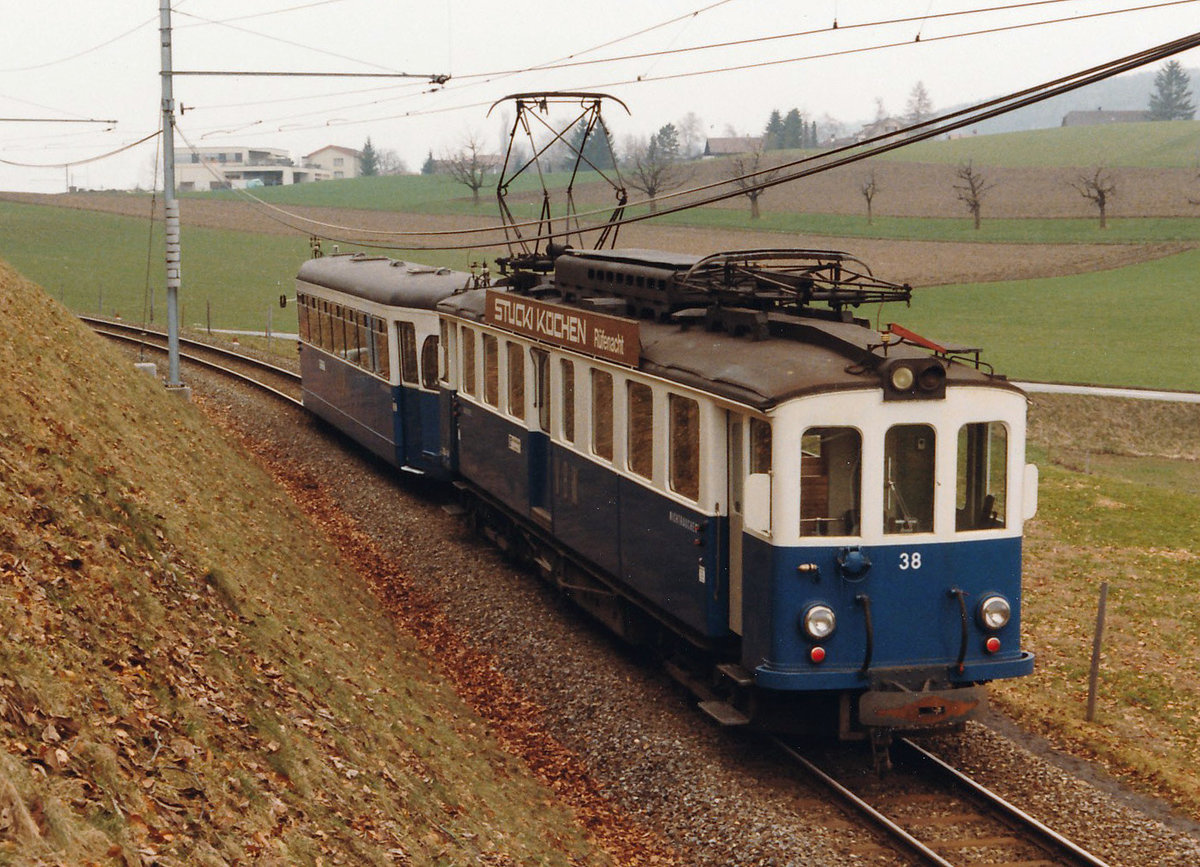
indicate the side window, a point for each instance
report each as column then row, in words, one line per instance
column 980, row 498
column 685, row 446
column 362, row 343
column 602, row 414
column 491, row 370
column 407, row 334
column 541, row 378
column 302, row 316
column 640, row 419
column 339, row 330
column 429, row 362
column 467, row 337
column 326, row 327
column 830, row 481
column 908, row 462
column 383, row 355
column 568, row 400
column 516, row 379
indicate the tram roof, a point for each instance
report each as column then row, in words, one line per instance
column 374, row 278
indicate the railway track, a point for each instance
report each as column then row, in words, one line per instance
column 936, row 814
column 278, row 381
column 926, row 811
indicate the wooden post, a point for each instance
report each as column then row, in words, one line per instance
column 1097, row 640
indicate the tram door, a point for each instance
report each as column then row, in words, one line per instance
column 539, row 444
column 737, row 477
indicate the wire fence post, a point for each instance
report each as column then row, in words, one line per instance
column 1097, row 641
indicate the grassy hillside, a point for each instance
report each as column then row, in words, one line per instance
column 189, row 674
column 1119, row 503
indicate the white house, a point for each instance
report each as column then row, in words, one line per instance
column 337, row 161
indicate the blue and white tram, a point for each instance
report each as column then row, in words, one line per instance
column 785, row 500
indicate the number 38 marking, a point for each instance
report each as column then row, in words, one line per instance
column 910, row 561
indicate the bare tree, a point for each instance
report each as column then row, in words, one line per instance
column 1097, row 188
column 652, row 166
column 389, row 162
column 919, row 106
column 748, row 172
column 691, row 135
column 869, row 189
column 972, row 189
column 469, row 165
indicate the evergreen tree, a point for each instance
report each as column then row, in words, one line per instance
column 369, row 160
column 430, row 165
column 793, row 129
column 1172, row 97
column 773, row 134
column 668, row 141
column 597, row 150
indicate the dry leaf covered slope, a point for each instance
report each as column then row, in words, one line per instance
column 185, row 675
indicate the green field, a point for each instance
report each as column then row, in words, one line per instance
column 1128, row 326
column 1162, row 144
column 96, row 263
column 1131, row 326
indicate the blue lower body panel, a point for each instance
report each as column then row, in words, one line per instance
column 900, row 622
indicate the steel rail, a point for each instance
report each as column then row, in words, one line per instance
column 102, row 329
column 1047, row 837
column 856, row 803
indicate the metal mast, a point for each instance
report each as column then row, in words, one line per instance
column 170, row 204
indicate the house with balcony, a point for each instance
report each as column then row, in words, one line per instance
column 227, row 167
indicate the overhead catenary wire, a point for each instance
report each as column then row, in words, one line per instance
column 803, row 168
column 84, row 161
column 772, row 175
column 718, row 70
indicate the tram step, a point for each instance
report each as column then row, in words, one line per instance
column 724, row 713
column 736, row 673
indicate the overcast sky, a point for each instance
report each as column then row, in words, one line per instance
column 82, row 59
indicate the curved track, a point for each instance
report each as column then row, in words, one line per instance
column 937, row 814
column 278, row 381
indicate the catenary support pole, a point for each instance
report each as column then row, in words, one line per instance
column 170, row 204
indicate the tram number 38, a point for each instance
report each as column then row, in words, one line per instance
column 910, row 560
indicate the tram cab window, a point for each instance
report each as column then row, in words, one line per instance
column 760, row 446
column 444, row 331
column 980, row 500
column 830, row 481
column 407, row 334
column 908, row 466
column 516, row 379
column 568, row 400
column 541, row 381
column 641, row 429
column 684, row 415
column 491, row 370
column 602, row 414
column 468, row 362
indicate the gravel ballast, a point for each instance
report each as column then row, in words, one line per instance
column 718, row 797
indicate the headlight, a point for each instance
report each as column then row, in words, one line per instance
column 818, row 622
column 994, row 612
column 902, row 378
